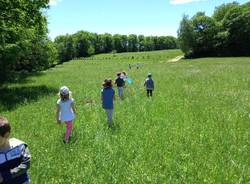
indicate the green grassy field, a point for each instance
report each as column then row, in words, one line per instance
column 195, row 129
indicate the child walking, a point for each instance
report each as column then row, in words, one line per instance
column 124, row 76
column 149, row 84
column 120, row 84
column 65, row 112
column 108, row 97
column 14, row 157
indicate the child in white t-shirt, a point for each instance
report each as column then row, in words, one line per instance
column 65, row 111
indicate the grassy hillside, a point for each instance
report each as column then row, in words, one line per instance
column 195, row 129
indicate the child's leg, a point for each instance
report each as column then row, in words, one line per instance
column 120, row 92
column 109, row 115
column 118, row 88
column 122, row 89
column 151, row 92
column 147, row 92
column 69, row 126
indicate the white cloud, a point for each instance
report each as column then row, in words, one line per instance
column 54, row 2
column 183, row 1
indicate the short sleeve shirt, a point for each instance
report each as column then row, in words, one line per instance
column 119, row 82
column 108, row 96
column 66, row 112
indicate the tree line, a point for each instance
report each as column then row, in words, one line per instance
column 83, row 44
column 225, row 33
column 25, row 45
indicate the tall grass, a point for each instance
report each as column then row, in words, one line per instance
column 195, row 129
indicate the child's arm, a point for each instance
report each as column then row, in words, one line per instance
column 57, row 113
column 114, row 96
column 102, row 95
column 73, row 107
column 1, row 178
column 24, row 166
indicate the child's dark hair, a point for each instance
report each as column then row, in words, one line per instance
column 4, row 126
column 118, row 74
column 107, row 83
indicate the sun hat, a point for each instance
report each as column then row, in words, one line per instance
column 64, row 90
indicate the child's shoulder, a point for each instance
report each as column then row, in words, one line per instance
column 15, row 142
column 108, row 89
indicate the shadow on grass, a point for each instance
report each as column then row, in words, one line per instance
column 19, row 77
column 11, row 97
column 115, row 128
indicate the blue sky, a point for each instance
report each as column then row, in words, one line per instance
column 147, row 17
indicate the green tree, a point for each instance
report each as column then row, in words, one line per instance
column 186, row 36
column 226, row 33
column 205, row 30
column 141, row 44
column 221, row 11
column 117, row 43
column 132, row 43
column 23, row 41
column 237, row 24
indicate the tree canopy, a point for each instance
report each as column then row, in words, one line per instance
column 225, row 33
column 24, row 44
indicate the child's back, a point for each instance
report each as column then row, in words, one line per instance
column 149, row 83
column 108, row 95
column 66, row 111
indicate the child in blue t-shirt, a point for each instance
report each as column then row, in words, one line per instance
column 14, row 157
column 108, row 97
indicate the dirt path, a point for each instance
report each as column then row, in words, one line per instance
column 175, row 59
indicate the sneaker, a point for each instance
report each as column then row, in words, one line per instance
column 65, row 142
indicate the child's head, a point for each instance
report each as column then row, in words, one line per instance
column 124, row 73
column 149, row 75
column 5, row 129
column 64, row 93
column 118, row 74
column 107, row 83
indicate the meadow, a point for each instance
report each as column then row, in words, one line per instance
column 195, row 129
